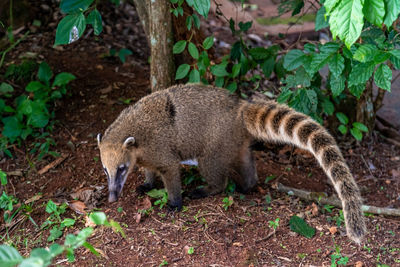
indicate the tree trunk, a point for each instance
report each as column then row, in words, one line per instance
column 156, row 19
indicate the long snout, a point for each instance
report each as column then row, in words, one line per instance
column 112, row 196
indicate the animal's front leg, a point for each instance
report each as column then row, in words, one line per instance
column 148, row 182
column 172, row 183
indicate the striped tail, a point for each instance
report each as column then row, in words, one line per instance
column 270, row 121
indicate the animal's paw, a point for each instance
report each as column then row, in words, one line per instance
column 174, row 207
column 198, row 193
column 142, row 189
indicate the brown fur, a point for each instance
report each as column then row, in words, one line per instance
column 217, row 129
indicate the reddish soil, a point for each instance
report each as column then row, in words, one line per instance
column 238, row 236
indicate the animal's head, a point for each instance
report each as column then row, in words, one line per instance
column 118, row 160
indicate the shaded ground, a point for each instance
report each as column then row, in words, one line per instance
column 238, row 236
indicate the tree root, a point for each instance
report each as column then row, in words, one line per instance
column 323, row 198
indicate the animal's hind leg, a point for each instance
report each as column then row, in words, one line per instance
column 245, row 167
column 216, row 174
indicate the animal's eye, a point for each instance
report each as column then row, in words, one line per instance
column 122, row 169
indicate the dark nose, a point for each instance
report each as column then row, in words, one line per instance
column 112, row 197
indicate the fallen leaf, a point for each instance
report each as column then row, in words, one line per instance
column 145, row 204
column 138, row 216
column 359, row 264
column 261, row 190
column 396, row 173
column 106, row 90
column 333, row 230
column 314, row 209
column 34, row 198
column 89, row 222
column 238, row 244
column 91, row 196
column 78, row 206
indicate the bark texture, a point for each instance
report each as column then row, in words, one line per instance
column 156, row 19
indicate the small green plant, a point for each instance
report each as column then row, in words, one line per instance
column 357, row 129
column 121, row 54
column 30, row 113
column 338, row 259
column 41, row 257
column 227, row 202
column 161, row 195
column 55, row 220
column 274, row 224
column 190, row 250
column 163, row 263
column 269, row 178
column 299, row 226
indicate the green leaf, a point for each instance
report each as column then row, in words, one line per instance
column 374, row 10
column 12, row 127
column 268, row 66
column 196, row 21
column 208, row 42
column 330, row 4
column 299, row 226
column 194, row 76
column 91, row 249
column 68, row 222
column 356, row 133
column 219, row 82
column 179, row 47
column 55, row 233
column 381, row 56
column 342, row 129
column 305, row 101
column 383, row 77
column 232, row 87
column 236, row 70
column 42, row 256
column 320, row 21
column 3, row 177
column 328, row 106
column 182, row 71
column 70, row 29
column 9, row 256
column 6, row 88
column 360, row 73
column 94, row 19
column 63, row 78
column 99, row 218
column 34, row 86
column 336, row 65
column 346, row 20
column 293, row 59
column 342, row 118
column 202, row 7
column 365, row 53
column 38, row 118
column 156, row 193
column 357, row 89
column 33, row 262
column 70, row 6
column 193, row 50
column 25, row 107
column 45, row 73
column 392, row 8
column 123, row 53
column 189, row 22
column 244, row 27
column 337, row 85
column 259, row 53
column 360, row 126
column 219, row 70
column 51, row 207
column 318, row 62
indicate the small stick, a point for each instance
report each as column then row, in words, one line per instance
column 52, row 164
column 322, row 198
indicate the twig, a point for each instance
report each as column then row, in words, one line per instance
column 52, row 164
column 265, row 238
column 322, row 198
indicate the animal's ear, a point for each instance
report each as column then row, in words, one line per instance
column 129, row 142
column 99, row 136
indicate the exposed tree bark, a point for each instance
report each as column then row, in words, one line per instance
column 156, row 19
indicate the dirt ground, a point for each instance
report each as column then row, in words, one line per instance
column 238, row 236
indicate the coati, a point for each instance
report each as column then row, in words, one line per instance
column 216, row 129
